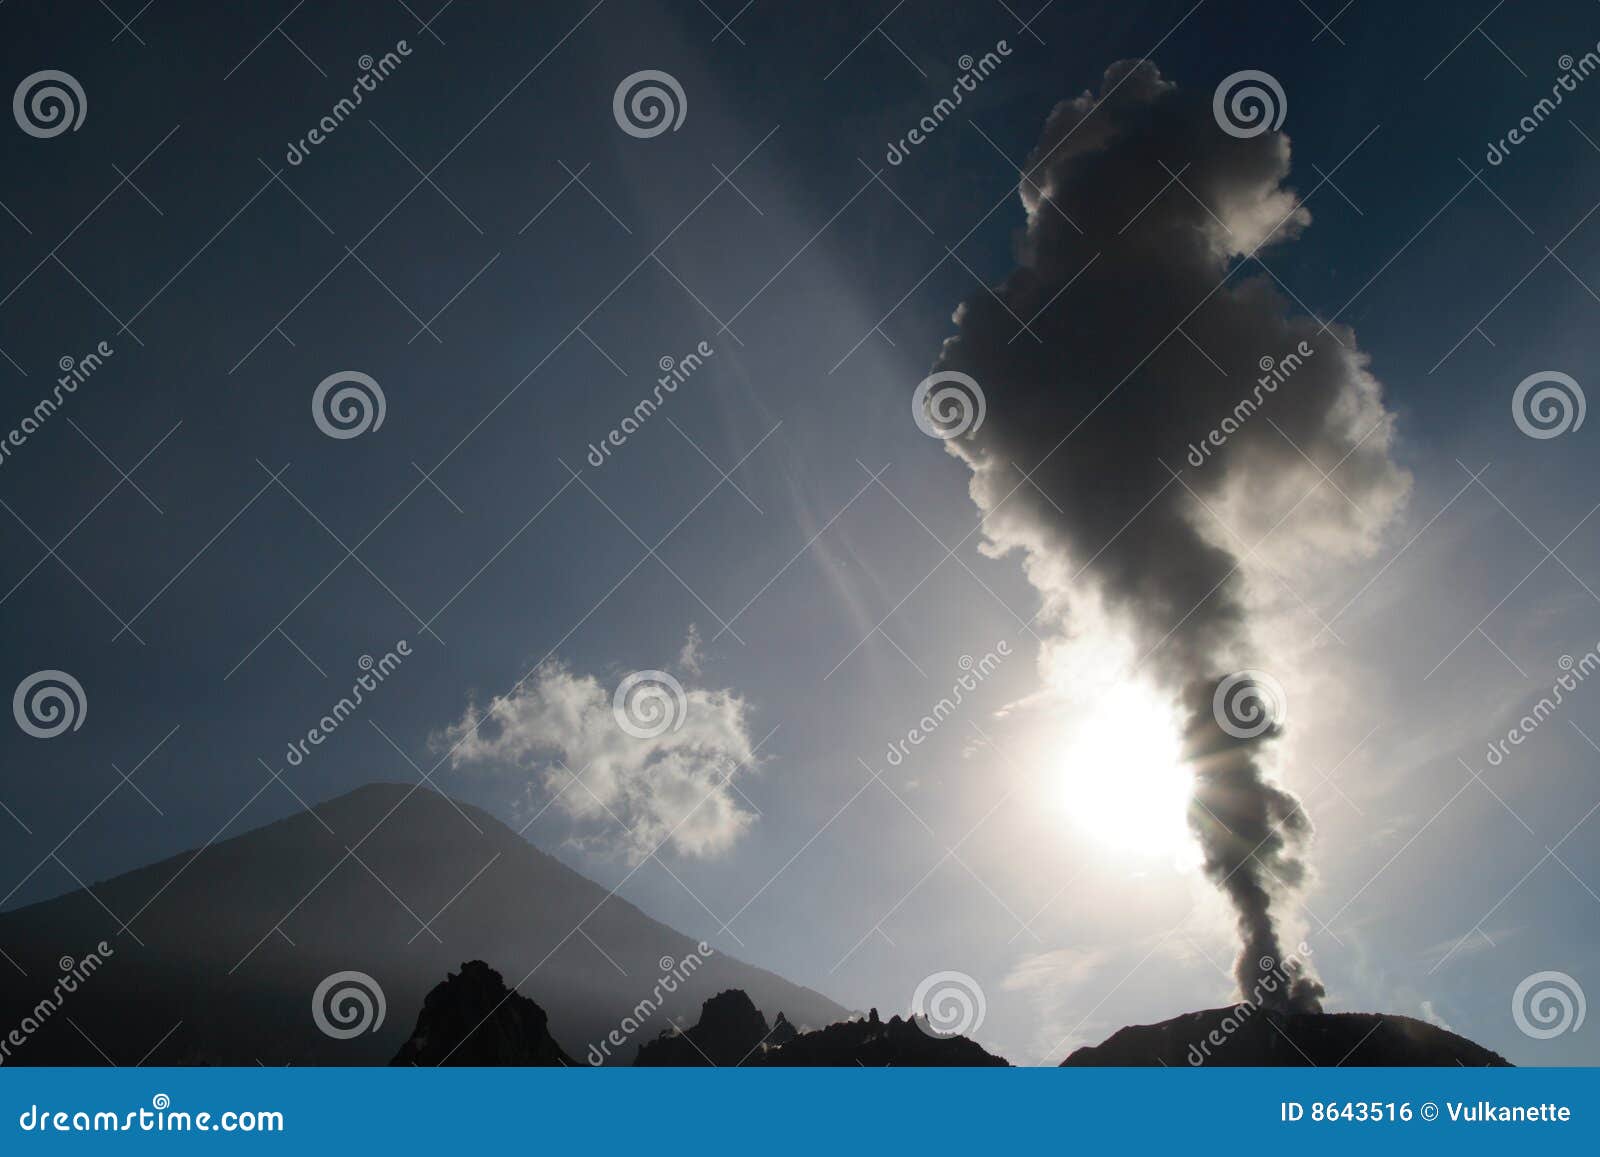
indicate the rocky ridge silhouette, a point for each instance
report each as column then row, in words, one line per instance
column 732, row 1031
column 471, row 1018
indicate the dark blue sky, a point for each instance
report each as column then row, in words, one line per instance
column 513, row 304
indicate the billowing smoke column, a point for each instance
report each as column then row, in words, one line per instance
column 1249, row 831
column 1166, row 403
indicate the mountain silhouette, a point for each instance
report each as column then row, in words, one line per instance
column 732, row 1032
column 215, row 956
column 225, row 947
column 1257, row 1036
column 471, row 1018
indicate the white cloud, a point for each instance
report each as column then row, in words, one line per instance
column 629, row 794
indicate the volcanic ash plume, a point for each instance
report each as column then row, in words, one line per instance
column 1249, row 831
column 1166, row 403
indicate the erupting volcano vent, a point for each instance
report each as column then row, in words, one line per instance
column 1157, row 417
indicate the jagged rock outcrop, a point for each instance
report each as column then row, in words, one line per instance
column 730, row 1032
column 782, row 1032
column 1248, row 1035
column 874, row 1042
column 471, row 1018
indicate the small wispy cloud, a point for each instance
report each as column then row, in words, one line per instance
column 1433, row 1017
column 1052, row 983
column 630, row 792
column 691, row 655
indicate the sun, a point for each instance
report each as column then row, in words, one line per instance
column 1123, row 780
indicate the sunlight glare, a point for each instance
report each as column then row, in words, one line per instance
column 1122, row 778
